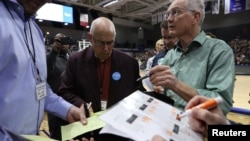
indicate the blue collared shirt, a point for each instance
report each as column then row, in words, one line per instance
column 21, row 112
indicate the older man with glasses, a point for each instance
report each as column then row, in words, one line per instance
column 100, row 74
column 197, row 65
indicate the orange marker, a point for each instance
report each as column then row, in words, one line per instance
column 206, row 105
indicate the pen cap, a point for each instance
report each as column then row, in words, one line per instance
column 218, row 100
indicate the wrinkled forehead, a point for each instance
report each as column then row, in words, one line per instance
column 104, row 34
column 177, row 4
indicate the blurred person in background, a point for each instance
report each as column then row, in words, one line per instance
column 168, row 44
column 56, row 61
column 56, row 64
column 159, row 47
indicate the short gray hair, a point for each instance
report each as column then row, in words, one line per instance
column 197, row 5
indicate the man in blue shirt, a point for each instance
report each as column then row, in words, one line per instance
column 24, row 93
column 6, row 135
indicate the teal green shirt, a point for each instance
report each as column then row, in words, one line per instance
column 208, row 66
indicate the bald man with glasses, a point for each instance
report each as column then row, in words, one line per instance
column 100, row 74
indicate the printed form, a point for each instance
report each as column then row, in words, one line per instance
column 140, row 117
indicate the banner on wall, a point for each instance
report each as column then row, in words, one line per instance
column 164, row 15
column 160, row 17
column 84, row 19
column 234, row 6
column 208, row 7
column 216, row 7
column 140, row 33
column 154, row 19
column 247, row 4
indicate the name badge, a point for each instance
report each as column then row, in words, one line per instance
column 103, row 105
column 41, row 90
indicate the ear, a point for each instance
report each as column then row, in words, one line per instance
column 197, row 17
column 89, row 36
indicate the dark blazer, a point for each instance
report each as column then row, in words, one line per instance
column 80, row 81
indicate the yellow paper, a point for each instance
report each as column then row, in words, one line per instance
column 77, row 128
column 37, row 138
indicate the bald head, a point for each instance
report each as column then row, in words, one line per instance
column 59, row 35
column 102, row 37
column 102, row 25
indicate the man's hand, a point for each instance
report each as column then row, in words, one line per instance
column 201, row 118
column 56, row 46
column 76, row 114
column 162, row 75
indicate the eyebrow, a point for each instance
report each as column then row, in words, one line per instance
column 178, row 8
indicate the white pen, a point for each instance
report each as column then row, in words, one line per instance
column 206, row 105
column 144, row 77
column 89, row 105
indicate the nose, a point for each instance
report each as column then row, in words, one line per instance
column 106, row 46
column 169, row 17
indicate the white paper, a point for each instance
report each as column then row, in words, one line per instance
column 110, row 129
column 140, row 117
column 147, row 84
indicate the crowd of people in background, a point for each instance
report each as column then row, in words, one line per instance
column 241, row 49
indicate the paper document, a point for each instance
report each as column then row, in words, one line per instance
column 140, row 117
column 37, row 138
column 77, row 128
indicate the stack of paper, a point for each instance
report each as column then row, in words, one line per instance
column 140, row 117
column 77, row 128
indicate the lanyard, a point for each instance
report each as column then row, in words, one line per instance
column 33, row 55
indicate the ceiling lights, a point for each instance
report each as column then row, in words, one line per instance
column 110, row 3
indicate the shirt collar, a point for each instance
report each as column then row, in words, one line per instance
column 197, row 42
column 19, row 9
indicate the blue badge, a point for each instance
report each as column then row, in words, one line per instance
column 116, row 76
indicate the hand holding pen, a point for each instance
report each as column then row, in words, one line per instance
column 161, row 75
column 89, row 108
column 205, row 105
column 201, row 118
column 144, row 77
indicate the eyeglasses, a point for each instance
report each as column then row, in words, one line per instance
column 176, row 12
column 103, row 43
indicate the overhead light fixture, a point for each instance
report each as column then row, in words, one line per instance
column 110, row 3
